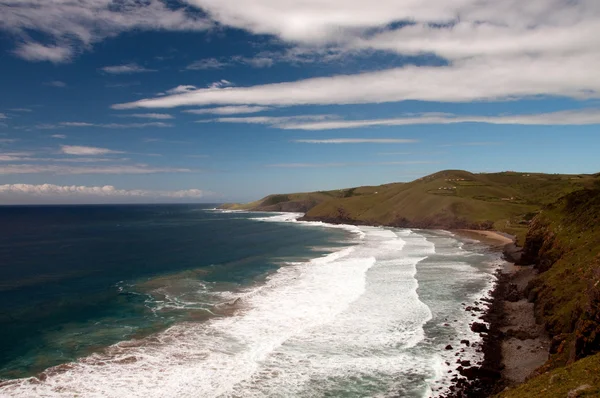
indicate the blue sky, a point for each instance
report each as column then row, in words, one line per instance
column 204, row 100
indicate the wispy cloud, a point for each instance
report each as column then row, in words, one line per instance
column 157, row 116
column 205, row 64
column 228, row 110
column 185, row 88
column 3, row 116
column 346, row 164
column 358, row 141
column 162, row 140
column 76, row 170
column 572, row 117
column 481, row 143
column 102, row 125
column 14, row 156
column 59, row 136
column 14, row 193
column 55, row 83
column 21, row 110
column 122, row 85
column 86, row 150
column 37, row 52
column 74, row 26
column 274, row 121
column 126, row 69
column 410, row 83
column 8, row 140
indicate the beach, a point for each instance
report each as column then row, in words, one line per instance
column 515, row 344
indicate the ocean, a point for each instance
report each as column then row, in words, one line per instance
column 190, row 301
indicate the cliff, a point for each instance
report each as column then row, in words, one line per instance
column 564, row 244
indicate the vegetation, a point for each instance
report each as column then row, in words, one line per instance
column 564, row 243
column 447, row 199
column 581, row 379
column 556, row 216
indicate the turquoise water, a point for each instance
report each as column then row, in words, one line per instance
column 184, row 301
column 76, row 278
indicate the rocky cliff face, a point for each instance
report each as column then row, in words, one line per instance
column 564, row 244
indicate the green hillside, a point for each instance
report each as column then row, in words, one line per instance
column 448, row 199
column 564, row 243
column 298, row 202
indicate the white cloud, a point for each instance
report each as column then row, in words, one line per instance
column 103, row 125
column 3, row 116
column 481, row 143
column 157, row 116
column 8, row 140
column 80, row 170
column 274, row 121
column 59, row 136
column 13, row 156
column 126, row 69
column 86, row 150
column 220, row 84
column 349, row 164
column 435, row 25
column 496, row 79
column 37, row 52
column 358, row 141
column 495, row 50
column 56, row 83
column 207, row 63
column 72, row 26
column 76, row 124
column 573, row 117
column 181, row 89
column 21, row 110
column 228, row 110
column 15, row 193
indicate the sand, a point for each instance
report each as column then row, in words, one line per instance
column 493, row 238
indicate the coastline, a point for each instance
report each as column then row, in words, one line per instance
column 515, row 345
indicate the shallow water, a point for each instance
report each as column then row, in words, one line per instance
column 342, row 311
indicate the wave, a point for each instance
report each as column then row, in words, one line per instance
column 300, row 333
column 352, row 322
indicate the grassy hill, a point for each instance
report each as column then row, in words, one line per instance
column 564, row 243
column 448, row 199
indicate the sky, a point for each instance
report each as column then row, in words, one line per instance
column 128, row 101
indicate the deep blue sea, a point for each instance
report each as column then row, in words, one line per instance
column 186, row 300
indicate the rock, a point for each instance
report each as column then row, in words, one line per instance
column 465, row 363
column 512, row 293
column 448, row 347
column 479, row 327
column 465, row 342
column 556, row 342
column 578, row 392
column 468, row 308
column 519, row 334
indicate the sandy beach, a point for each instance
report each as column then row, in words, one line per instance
column 493, row 238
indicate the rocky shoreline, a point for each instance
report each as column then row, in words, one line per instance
column 513, row 345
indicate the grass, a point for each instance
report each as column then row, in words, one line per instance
column 501, row 200
column 581, row 379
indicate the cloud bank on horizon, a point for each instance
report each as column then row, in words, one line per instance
column 26, row 193
column 232, row 91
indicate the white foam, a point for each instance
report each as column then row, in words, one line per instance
column 353, row 313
